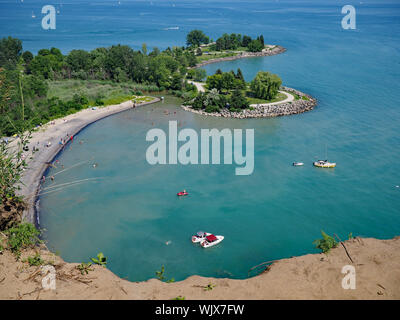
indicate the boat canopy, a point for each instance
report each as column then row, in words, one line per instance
column 200, row 234
column 211, row 238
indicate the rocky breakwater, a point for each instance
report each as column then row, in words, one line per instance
column 301, row 103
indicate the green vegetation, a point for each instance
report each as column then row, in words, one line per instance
column 238, row 42
column 101, row 260
column 179, row 298
column 279, row 97
column 351, row 236
column 196, row 38
column 209, row 287
column 84, row 268
column 265, row 85
column 196, row 74
column 32, row 76
column 229, row 90
column 51, row 84
column 23, row 236
column 326, row 243
column 160, row 276
column 35, row 260
column 215, row 55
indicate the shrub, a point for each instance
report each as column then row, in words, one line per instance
column 160, row 275
column 99, row 102
column 22, row 236
column 35, row 260
column 100, row 260
column 84, row 267
column 326, row 243
column 211, row 109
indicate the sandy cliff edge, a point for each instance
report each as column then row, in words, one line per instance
column 312, row 276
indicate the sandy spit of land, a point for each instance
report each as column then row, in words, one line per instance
column 52, row 132
column 313, row 276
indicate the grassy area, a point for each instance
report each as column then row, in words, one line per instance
column 297, row 97
column 279, row 97
column 215, row 55
column 107, row 91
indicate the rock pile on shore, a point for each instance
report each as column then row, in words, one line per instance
column 302, row 104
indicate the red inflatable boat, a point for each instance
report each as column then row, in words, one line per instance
column 182, row 193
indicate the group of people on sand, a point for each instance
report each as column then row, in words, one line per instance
column 63, row 141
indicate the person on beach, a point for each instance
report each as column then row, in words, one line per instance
column 52, row 178
column 43, row 179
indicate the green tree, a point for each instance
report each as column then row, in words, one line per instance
column 239, row 75
column 10, row 52
column 78, row 60
column 144, row 49
column 262, row 40
column 196, row 37
column 215, row 82
column 27, row 56
column 197, row 74
column 238, row 100
column 265, row 85
column 176, row 83
column 255, row 46
column 245, row 41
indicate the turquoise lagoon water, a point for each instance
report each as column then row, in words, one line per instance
column 278, row 210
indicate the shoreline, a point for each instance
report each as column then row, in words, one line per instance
column 268, row 110
column 265, row 53
column 53, row 131
column 307, row 277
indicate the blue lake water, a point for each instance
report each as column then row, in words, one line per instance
column 278, row 210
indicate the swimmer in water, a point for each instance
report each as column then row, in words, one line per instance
column 95, row 165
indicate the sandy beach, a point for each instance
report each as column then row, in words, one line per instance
column 312, row 276
column 53, row 132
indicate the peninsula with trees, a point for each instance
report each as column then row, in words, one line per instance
column 54, row 85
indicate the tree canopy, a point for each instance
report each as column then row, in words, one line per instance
column 10, row 51
column 265, row 85
column 196, row 37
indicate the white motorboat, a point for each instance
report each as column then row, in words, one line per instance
column 298, row 164
column 199, row 236
column 211, row 240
